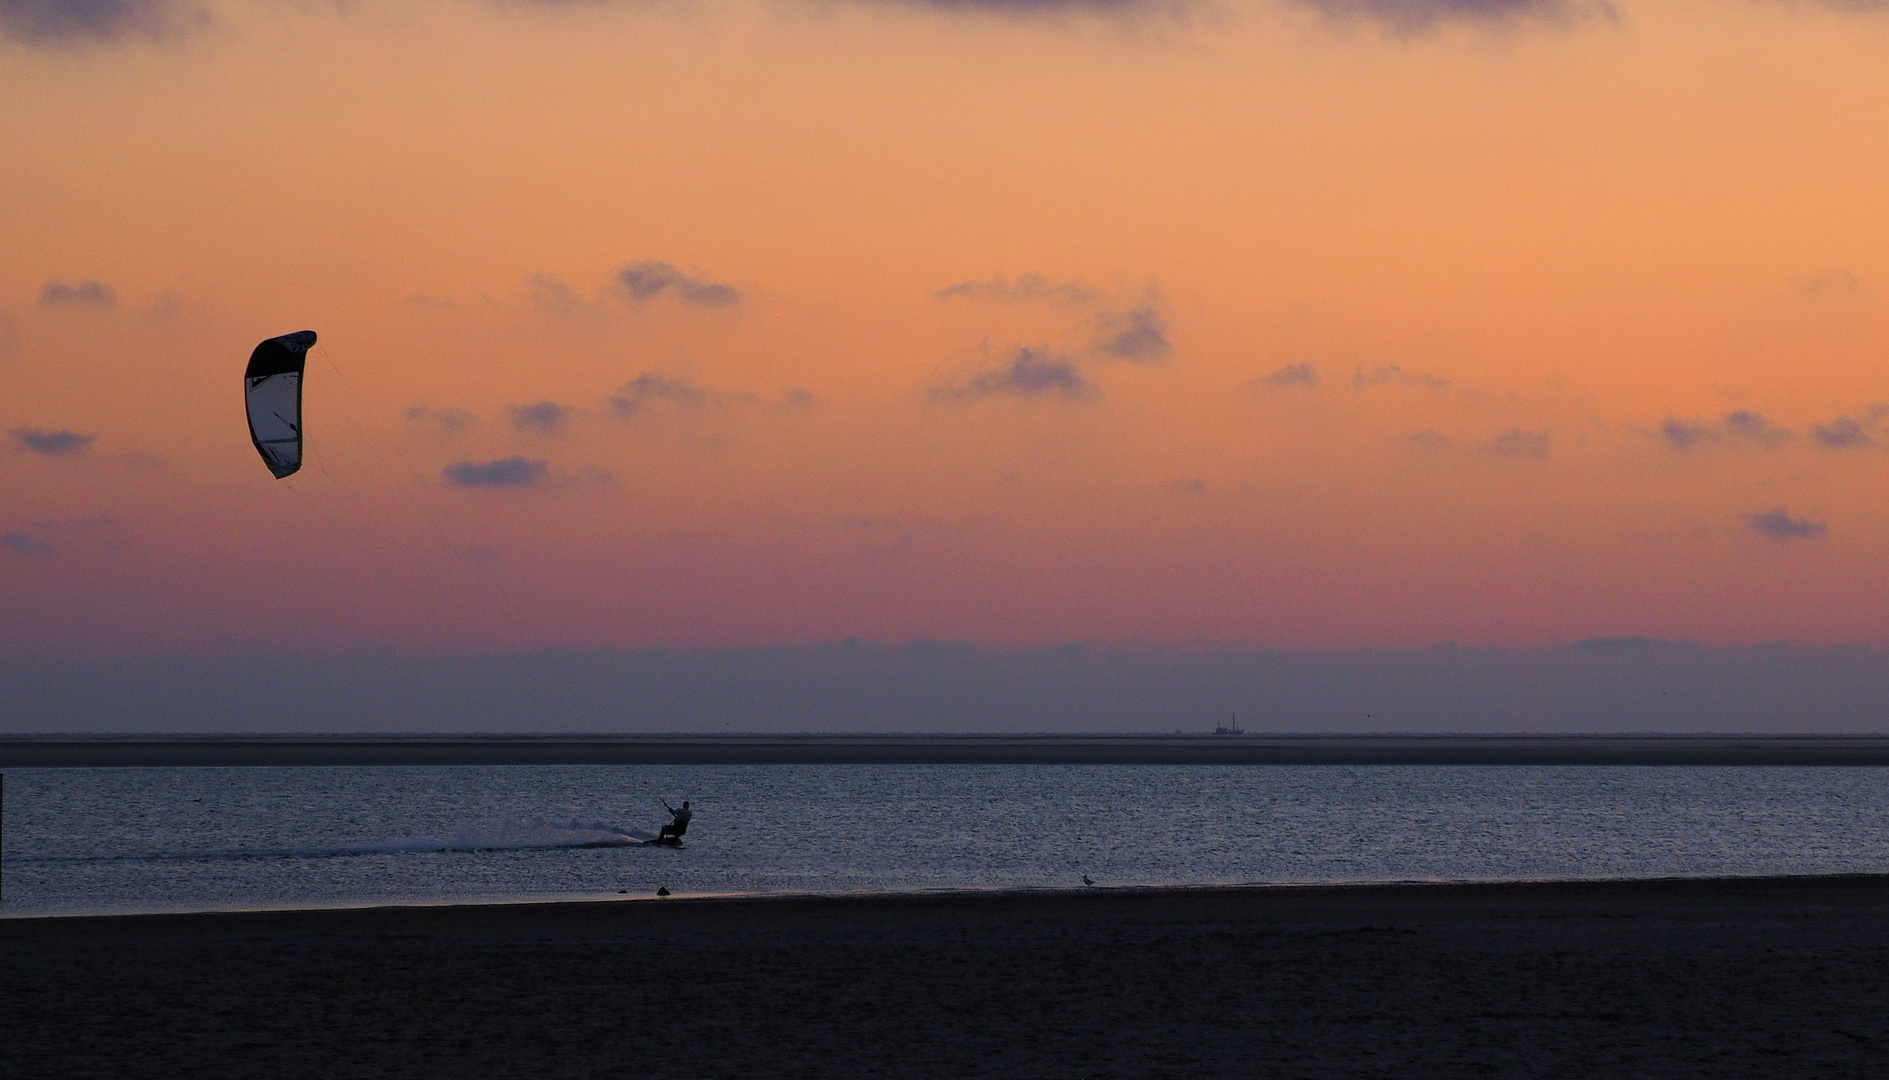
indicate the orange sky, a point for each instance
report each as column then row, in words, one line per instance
column 1508, row 251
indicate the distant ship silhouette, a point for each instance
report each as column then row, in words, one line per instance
column 1231, row 727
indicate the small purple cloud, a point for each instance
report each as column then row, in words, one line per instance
column 1848, row 433
column 1412, row 17
column 441, row 421
column 1519, row 444
column 540, row 418
column 1289, row 375
column 1026, row 372
column 636, row 396
column 1780, row 525
column 1025, row 287
column 68, row 22
column 1742, row 428
column 503, row 473
column 82, row 294
column 644, row 280
column 53, row 443
column 1834, row 283
column 1139, row 336
column 20, row 543
column 551, row 294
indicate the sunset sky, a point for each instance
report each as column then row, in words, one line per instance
column 1286, row 324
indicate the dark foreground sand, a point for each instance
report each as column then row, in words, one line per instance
column 1772, row 978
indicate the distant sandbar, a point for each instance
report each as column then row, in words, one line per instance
column 69, row 751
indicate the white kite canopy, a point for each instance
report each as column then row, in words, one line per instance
column 272, row 389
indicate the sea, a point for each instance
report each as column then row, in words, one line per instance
column 128, row 840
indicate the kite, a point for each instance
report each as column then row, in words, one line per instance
column 272, row 389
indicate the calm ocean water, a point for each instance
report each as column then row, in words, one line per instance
column 130, row 840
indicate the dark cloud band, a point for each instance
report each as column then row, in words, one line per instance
column 58, row 23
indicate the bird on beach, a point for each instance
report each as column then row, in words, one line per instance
column 662, row 890
column 1087, row 880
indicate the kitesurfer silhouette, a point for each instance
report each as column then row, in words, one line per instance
column 676, row 827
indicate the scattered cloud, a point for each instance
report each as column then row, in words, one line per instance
column 540, row 418
column 167, row 305
column 1742, row 428
column 1395, row 375
column 550, row 294
column 797, row 398
column 1519, row 445
column 1290, row 375
column 1411, row 17
column 1754, row 428
column 1780, row 525
column 79, row 294
column 645, row 280
column 1139, row 336
column 1848, row 433
column 1684, row 435
column 1842, row 433
column 1025, row 287
column 635, row 397
column 1097, row 8
column 1192, row 485
column 505, row 472
column 20, row 543
column 1025, row 372
column 53, row 443
column 1430, row 439
column 1834, row 283
column 440, row 421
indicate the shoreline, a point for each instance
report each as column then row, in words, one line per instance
column 121, row 751
column 1739, row 977
column 1003, row 894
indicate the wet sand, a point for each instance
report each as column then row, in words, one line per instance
column 90, row 751
column 1763, row 977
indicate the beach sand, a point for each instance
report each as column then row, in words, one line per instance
column 1761, row 977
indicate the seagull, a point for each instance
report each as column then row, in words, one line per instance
column 662, row 890
column 1087, row 880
